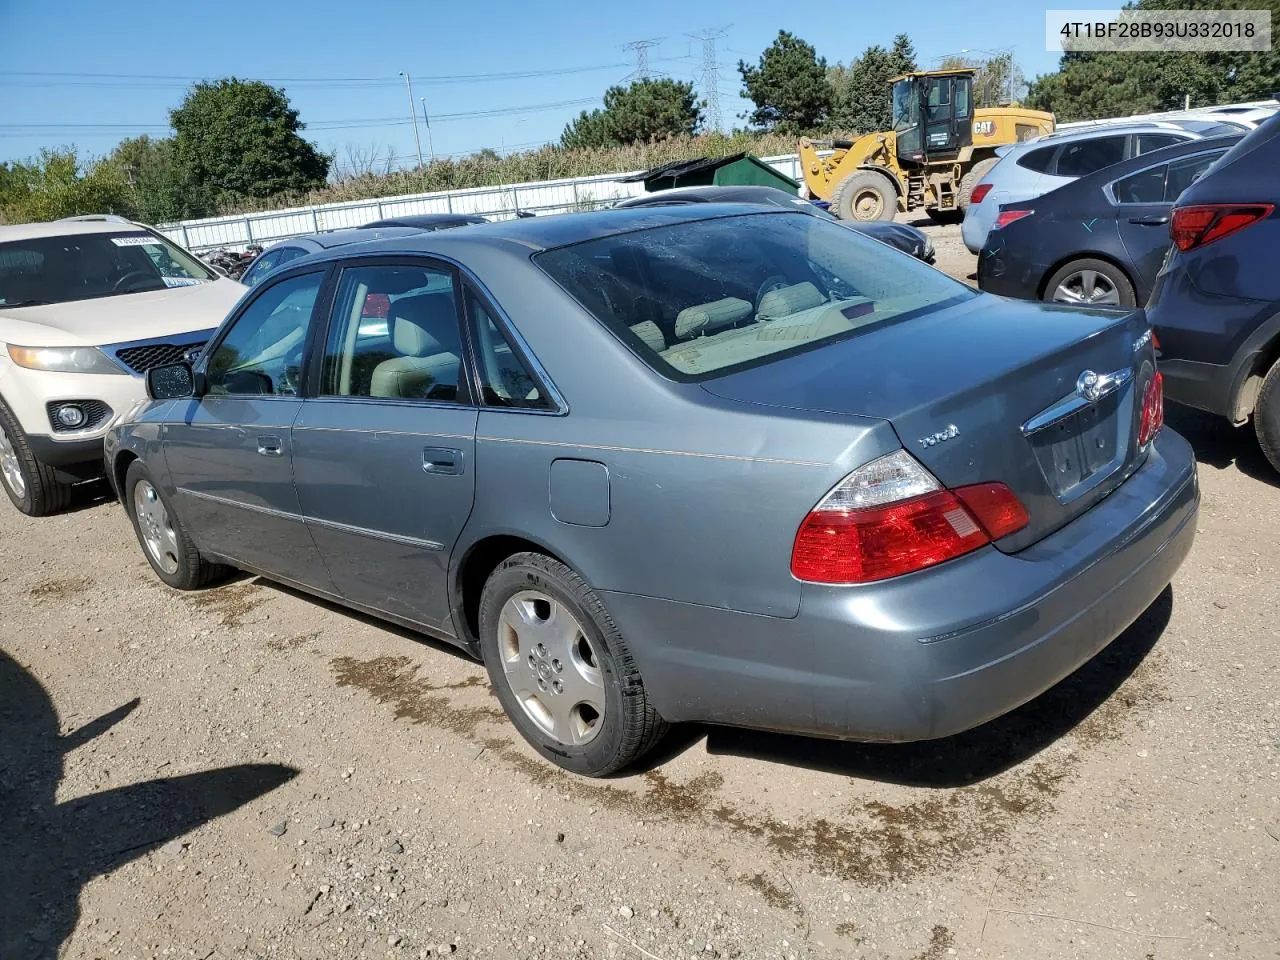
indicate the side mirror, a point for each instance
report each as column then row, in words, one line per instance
column 171, row 382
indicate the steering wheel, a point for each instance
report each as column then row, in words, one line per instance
column 775, row 282
column 132, row 275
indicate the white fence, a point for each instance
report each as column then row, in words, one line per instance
column 540, row 197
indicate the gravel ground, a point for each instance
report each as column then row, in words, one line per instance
column 247, row 773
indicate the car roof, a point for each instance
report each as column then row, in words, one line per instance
column 536, row 234
column 71, row 226
column 340, row 238
column 729, row 193
column 427, row 220
column 1099, row 130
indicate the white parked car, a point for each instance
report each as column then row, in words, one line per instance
column 87, row 306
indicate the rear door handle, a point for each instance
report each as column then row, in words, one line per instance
column 445, row 461
column 270, row 447
column 1149, row 221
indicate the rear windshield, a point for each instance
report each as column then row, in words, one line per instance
column 708, row 297
column 85, row 266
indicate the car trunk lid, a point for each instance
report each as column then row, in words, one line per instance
column 988, row 390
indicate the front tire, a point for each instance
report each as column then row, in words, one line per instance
column 171, row 553
column 32, row 486
column 1090, row 283
column 1266, row 416
column 561, row 668
column 865, row 195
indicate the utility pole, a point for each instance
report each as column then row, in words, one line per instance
column 431, row 150
column 413, row 115
column 641, row 48
column 710, row 78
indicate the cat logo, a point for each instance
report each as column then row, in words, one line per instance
column 984, row 128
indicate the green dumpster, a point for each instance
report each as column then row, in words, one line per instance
column 738, row 170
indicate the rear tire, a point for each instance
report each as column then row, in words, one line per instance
column 32, row 486
column 970, row 180
column 865, row 195
column 1090, row 283
column 164, row 541
column 1266, row 416
column 561, row 669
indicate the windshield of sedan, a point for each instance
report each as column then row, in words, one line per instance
column 708, row 297
column 85, row 266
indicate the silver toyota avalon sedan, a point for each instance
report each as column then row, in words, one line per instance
column 711, row 463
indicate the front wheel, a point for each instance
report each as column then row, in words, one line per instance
column 561, row 669
column 171, row 553
column 865, row 195
column 32, row 486
column 1090, row 283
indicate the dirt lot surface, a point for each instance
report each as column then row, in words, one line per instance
column 246, row 773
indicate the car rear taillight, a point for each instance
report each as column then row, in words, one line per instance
column 1197, row 225
column 1007, row 217
column 976, row 195
column 892, row 517
column 1152, row 410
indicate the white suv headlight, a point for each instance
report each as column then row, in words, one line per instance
column 64, row 359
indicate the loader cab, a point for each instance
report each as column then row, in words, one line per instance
column 932, row 115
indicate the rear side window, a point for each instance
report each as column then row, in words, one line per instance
column 505, row 381
column 1037, row 161
column 1155, row 141
column 1089, row 156
column 702, row 298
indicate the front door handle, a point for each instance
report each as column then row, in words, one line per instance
column 446, row 461
column 270, row 447
column 1149, row 221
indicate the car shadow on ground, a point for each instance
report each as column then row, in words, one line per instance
column 976, row 754
column 50, row 850
column 1219, row 444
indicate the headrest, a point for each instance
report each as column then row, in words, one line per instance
column 425, row 325
column 707, row 317
column 651, row 335
column 785, row 301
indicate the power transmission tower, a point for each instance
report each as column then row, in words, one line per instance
column 710, row 77
column 641, row 48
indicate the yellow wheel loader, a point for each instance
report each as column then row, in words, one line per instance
column 938, row 149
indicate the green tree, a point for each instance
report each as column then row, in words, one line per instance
column 58, row 183
column 860, row 92
column 1090, row 86
column 241, row 138
column 646, row 111
column 161, row 193
column 788, row 86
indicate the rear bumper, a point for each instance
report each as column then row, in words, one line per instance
column 934, row 653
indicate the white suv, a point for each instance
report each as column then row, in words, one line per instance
column 87, row 306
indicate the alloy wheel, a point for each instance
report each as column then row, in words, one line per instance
column 552, row 667
column 157, row 532
column 11, row 467
column 1087, row 286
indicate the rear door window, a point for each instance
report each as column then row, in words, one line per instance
column 1145, row 186
column 1089, row 156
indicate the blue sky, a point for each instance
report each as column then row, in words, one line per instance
column 90, row 73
